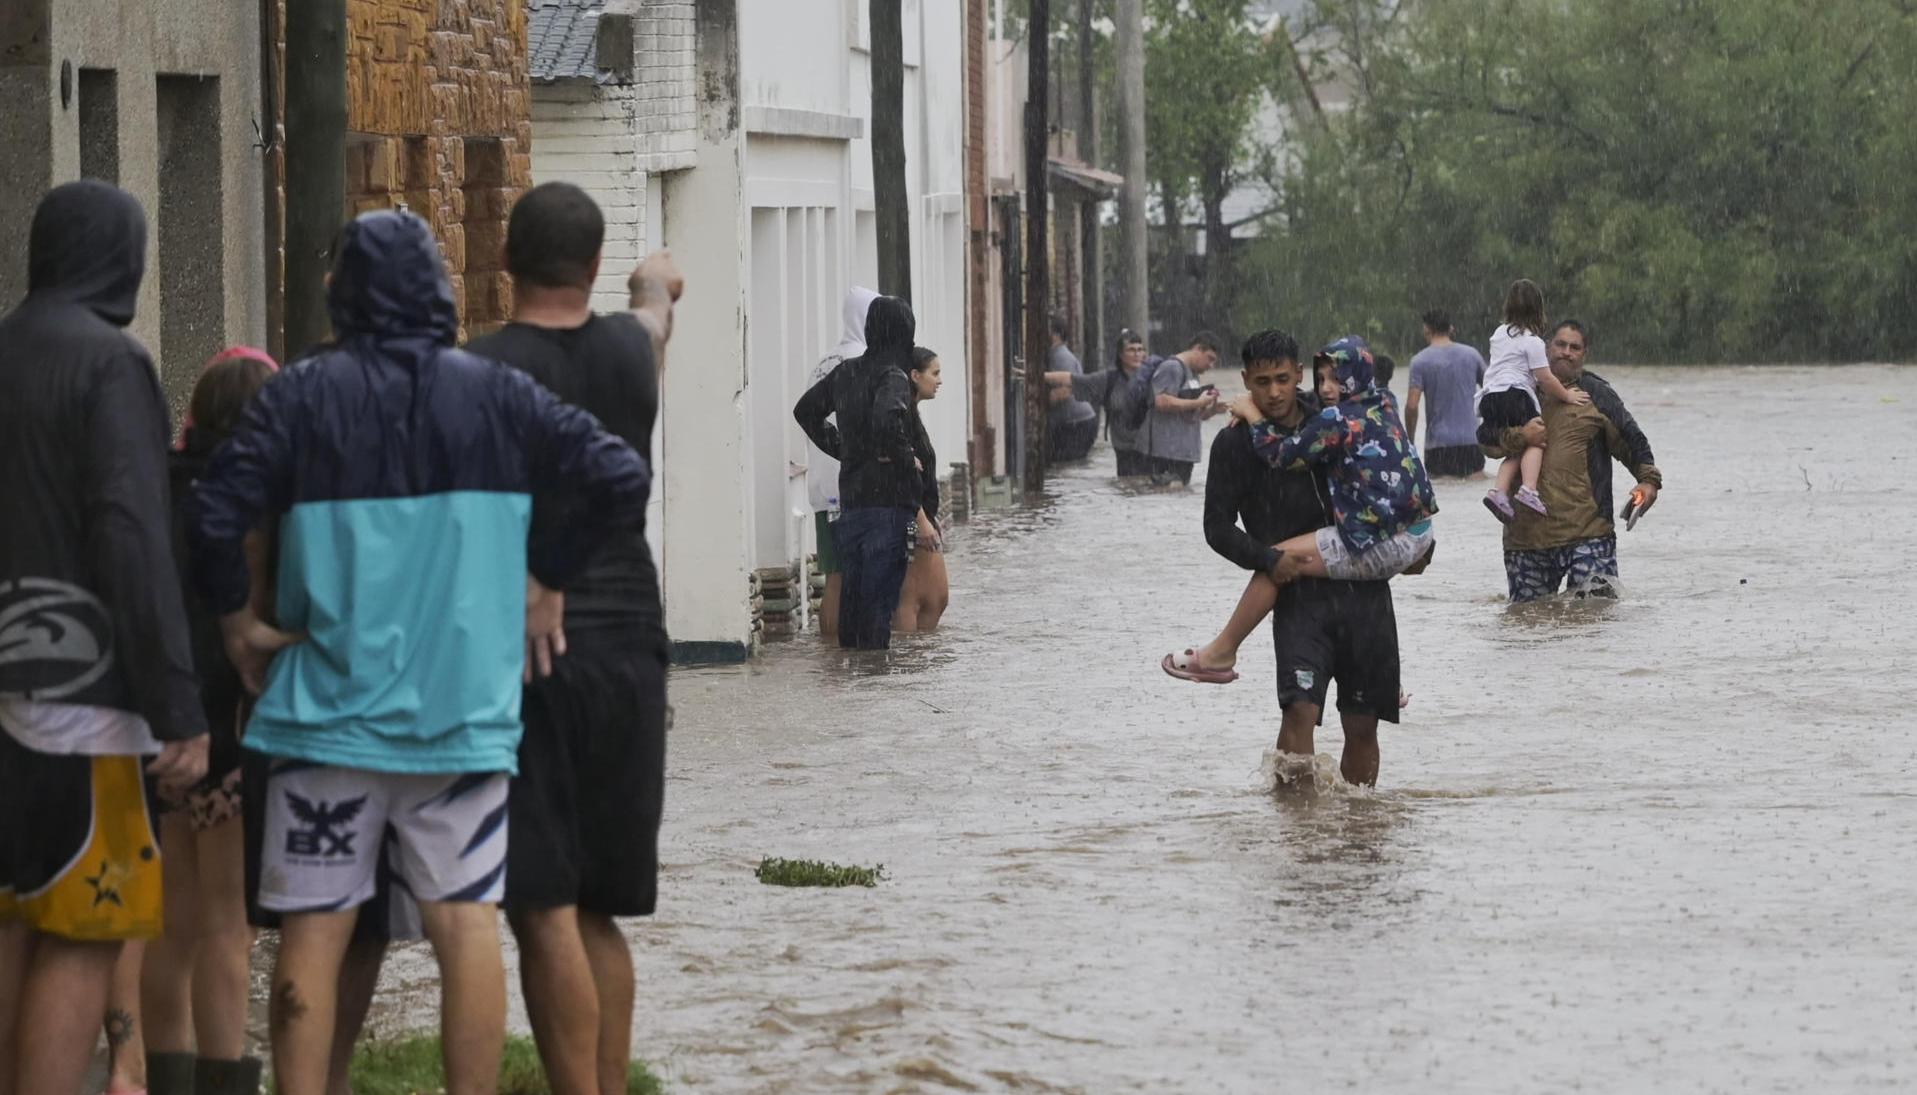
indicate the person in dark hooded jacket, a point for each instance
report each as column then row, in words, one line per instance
column 96, row 667
column 401, row 473
column 879, row 474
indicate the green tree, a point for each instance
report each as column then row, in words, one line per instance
column 1207, row 72
column 1699, row 179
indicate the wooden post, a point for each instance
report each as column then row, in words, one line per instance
column 315, row 161
column 1131, row 163
column 892, row 211
column 1037, row 254
column 1092, row 349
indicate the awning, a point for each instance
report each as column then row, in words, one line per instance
column 1085, row 178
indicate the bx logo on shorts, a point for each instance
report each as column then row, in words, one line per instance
column 321, row 839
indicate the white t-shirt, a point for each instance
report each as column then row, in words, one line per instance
column 1513, row 355
column 76, row 729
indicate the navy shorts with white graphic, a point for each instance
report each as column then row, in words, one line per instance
column 321, row 847
column 1587, row 568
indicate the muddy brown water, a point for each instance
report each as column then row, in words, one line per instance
column 1665, row 844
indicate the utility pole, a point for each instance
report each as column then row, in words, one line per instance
column 1037, row 253
column 315, row 161
column 1092, row 255
column 1131, row 151
column 891, row 206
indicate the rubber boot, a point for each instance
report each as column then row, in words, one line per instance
column 170, row 1073
column 241, row 1077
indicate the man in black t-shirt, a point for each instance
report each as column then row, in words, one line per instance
column 584, row 811
column 1322, row 629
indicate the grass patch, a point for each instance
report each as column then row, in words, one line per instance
column 774, row 871
column 410, row 1065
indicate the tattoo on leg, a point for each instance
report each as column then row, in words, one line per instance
column 287, row 1007
column 119, row 1028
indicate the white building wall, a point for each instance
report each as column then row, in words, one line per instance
column 806, row 94
column 621, row 143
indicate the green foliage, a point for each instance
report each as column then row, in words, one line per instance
column 810, row 872
column 1697, row 179
column 411, row 1066
column 1206, row 72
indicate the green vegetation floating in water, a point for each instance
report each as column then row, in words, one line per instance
column 410, row 1065
column 810, row 872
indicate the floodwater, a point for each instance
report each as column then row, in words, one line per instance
column 1664, row 844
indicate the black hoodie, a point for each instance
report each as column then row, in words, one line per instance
column 90, row 610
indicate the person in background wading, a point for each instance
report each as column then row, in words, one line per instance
column 98, row 675
column 1071, row 421
column 821, row 470
column 1444, row 386
column 927, row 586
column 1174, row 434
column 194, row 980
column 1107, row 391
column 878, row 474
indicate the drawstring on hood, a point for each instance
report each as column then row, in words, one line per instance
column 88, row 246
column 389, row 281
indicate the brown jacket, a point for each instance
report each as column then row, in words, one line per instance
column 1576, row 481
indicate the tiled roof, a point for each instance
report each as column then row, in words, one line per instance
column 560, row 36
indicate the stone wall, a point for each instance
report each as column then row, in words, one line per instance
column 439, row 111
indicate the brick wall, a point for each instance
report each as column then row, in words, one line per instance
column 665, row 68
column 439, row 111
column 588, row 135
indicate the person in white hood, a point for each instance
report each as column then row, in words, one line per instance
column 821, row 471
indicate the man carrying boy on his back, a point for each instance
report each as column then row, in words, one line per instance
column 1323, row 629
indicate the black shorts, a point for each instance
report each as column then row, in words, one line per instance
column 1455, row 461
column 1070, row 440
column 79, row 847
column 584, row 811
column 1325, row 631
column 1505, row 410
column 1171, row 471
column 1132, row 463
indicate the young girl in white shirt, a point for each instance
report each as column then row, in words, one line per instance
column 1510, row 398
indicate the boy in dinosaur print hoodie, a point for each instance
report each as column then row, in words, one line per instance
column 1381, row 498
column 1380, row 495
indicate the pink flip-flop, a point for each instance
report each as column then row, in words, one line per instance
column 1186, row 668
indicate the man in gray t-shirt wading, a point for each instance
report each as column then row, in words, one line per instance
column 1071, row 423
column 1173, row 434
column 1445, row 376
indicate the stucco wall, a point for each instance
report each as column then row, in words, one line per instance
column 213, row 225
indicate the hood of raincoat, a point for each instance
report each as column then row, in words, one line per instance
column 1351, row 361
column 88, row 247
column 389, row 281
